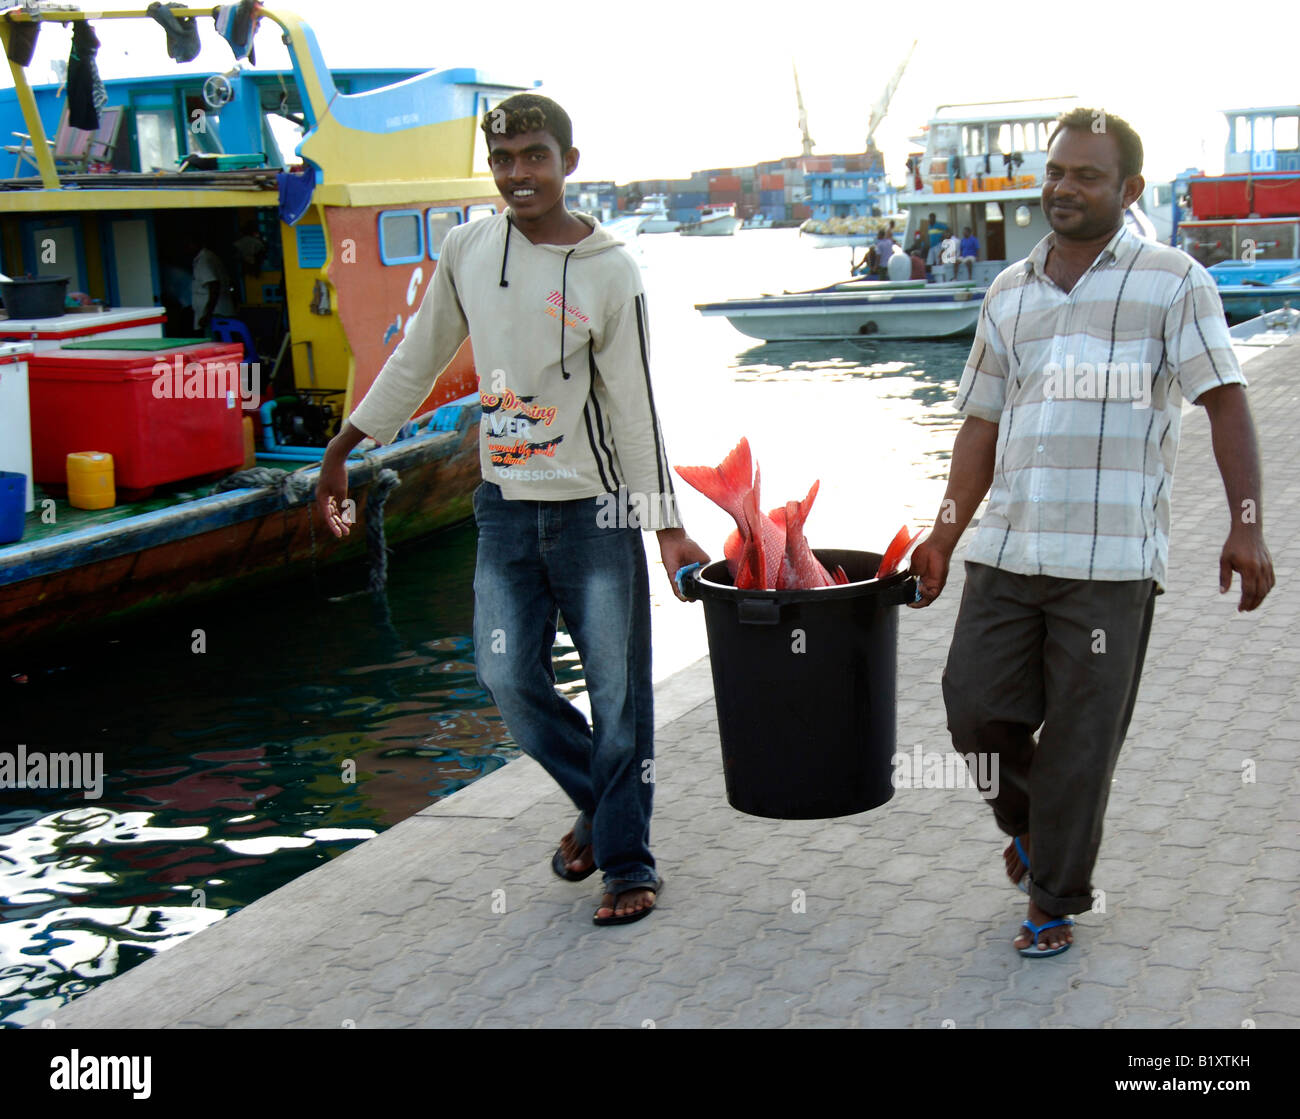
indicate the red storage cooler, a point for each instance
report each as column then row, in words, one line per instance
column 112, row 400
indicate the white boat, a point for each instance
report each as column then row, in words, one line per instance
column 715, row 220
column 654, row 214
column 1270, row 329
column 983, row 168
column 856, row 309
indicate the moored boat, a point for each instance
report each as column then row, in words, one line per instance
column 654, row 214
column 716, row 220
column 856, row 308
column 1244, row 225
column 347, row 224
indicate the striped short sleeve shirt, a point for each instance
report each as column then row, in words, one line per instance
column 1086, row 388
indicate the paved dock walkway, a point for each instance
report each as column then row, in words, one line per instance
column 453, row 918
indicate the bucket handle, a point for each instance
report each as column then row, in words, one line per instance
column 907, row 591
column 689, row 587
column 758, row 612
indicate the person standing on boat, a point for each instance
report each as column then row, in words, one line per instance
column 884, row 247
column 969, row 253
column 936, row 231
column 210, row 293
column 1083, row 355
column 574, row 466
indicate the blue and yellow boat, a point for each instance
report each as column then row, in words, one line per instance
column 350, row 220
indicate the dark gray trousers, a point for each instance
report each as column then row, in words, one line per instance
column 1063, row 655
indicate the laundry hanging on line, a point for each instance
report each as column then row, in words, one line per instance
column 22, row 41
column 237, row 24
column 86, row 93
column 182, row 34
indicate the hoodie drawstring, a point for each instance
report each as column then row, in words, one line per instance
column 564, row 287
column 564, row 291
column 505, row 253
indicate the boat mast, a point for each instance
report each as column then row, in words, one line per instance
column 803, row 113
column 881, row 107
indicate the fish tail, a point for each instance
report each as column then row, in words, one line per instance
column 725, row 484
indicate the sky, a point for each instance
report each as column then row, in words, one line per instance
column 652, row 97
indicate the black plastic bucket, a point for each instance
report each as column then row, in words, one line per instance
column 41, row 298
column 805, row 688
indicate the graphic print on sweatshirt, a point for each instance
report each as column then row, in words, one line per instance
column 520, row 420
column 573, row 317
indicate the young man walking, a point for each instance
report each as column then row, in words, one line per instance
column 573, row 466
column 1072, row 394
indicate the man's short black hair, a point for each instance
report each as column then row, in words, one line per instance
column 528, row 112
column 1100, row 121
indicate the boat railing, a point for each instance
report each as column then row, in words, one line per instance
column 388, row 116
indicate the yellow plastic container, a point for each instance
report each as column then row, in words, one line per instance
column 250, row 444
column 90, row 480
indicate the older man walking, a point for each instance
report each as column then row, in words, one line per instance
column 1072, row 395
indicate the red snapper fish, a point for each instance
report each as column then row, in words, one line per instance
column 766, row 551
column 898, row 548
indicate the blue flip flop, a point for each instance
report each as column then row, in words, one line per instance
column 1033, row 952
column 1023, row 884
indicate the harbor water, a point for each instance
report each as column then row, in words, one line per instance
column 243, row 743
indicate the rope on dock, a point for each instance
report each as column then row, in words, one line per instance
column 292, row 486
column 376, row 548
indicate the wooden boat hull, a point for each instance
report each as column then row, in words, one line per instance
column 53, row 587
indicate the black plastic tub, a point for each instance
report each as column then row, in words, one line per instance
column 805, row 688
column 41, row 298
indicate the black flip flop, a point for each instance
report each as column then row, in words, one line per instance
column 560, row 865
column 622, row 886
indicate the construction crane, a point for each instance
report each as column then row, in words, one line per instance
column 803, row 113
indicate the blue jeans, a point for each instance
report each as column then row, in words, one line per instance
column 538, row 560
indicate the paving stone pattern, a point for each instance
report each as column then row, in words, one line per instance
column 454, row 919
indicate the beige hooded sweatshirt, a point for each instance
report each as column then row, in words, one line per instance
column 562, row 353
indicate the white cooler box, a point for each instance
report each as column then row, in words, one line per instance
column 15, row 421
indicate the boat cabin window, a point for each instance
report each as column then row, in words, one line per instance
column 202, row 127
column 156, row 139
column 285, row 136
column 1241, row 134
column 479, row 210
column 1286, row 133
column 441, row 222
column 1003, row 141
column 401, row 236
column 1045, row 129
column 1264, row 134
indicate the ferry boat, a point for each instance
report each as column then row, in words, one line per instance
column 982, row 168
column 717, row 219
column 386, row 163
column 654, row 213
column 1244, row 225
